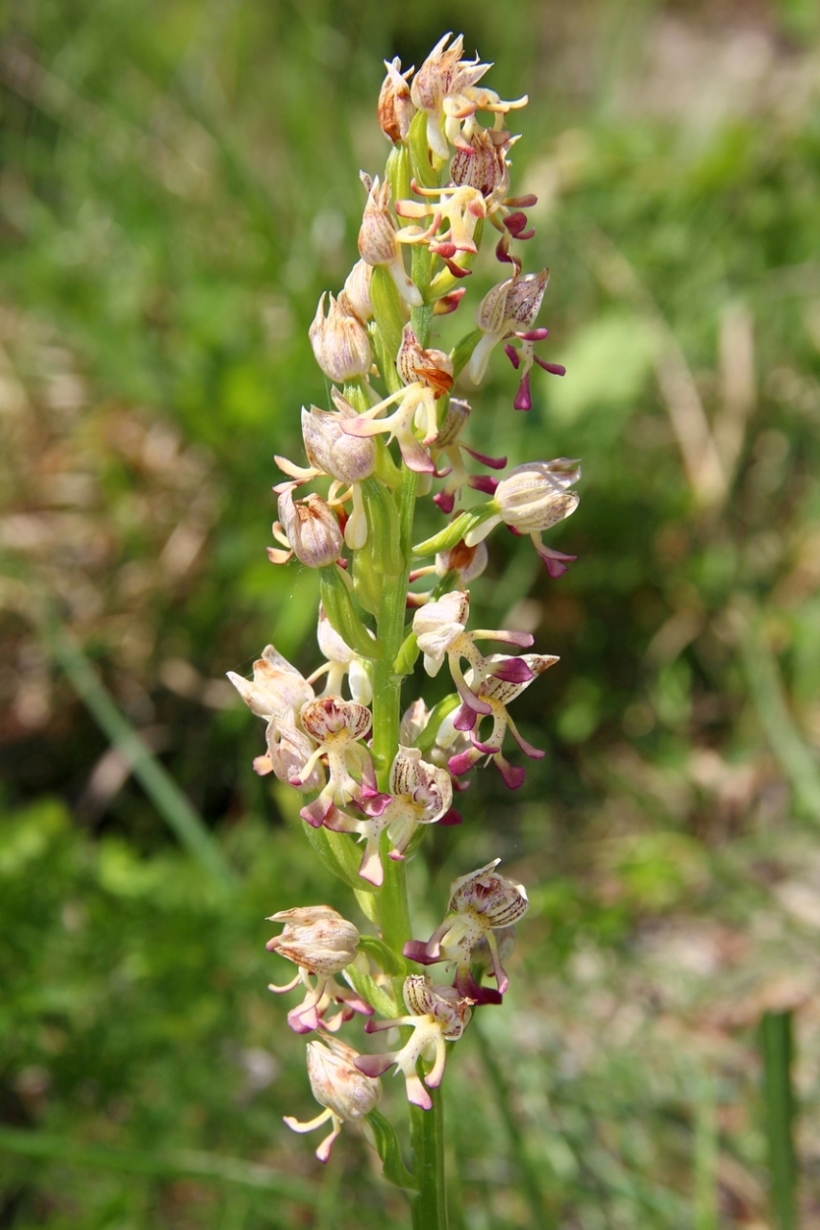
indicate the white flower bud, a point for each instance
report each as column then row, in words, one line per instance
column 378, row 244
column 332, row 450
column 336, row 1082
column 277, row 689
column 340, row 343
column 355, row 297
column 534, row 496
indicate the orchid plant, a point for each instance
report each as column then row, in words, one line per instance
column 368, row 772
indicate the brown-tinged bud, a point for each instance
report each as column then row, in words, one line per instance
column 484, row 165
column 346, row 1093
column 311, row 529
column 340, row 343
column 316, row 938
column 432, row 368
column 336, row 1082
column 395, row 110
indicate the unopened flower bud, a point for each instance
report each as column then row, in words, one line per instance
column 340, row 343
column 311, row 529
column 332, row 450
column 378, row 244
column 339, row 1085
column 355, row 297
column 346, row 1093
column 534, row 496
column 277, row 688
column 395, row 110
column 316, row 938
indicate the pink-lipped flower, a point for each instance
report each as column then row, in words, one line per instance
column 437, row 1015
column 420, row 793
column 338, row 726
column 481, row 904
column 321, row 943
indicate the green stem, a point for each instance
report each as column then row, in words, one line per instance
column 392, row 907
column 429, row 1207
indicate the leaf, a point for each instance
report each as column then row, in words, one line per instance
column 384, row 956
column 338, row 854
column 387, row 1145
column 375, row 995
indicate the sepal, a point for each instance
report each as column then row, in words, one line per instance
column 453, row 533
column 342, row 614
column 423, row 170
column 427, row 739
column 389, row 316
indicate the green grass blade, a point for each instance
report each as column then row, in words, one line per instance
column 160, row 787
column 706, row 1147
column 768, row 693
column 778, row 1095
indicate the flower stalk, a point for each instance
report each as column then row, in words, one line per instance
column 390, row 441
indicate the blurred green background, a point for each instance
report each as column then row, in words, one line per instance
column 178, row 184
